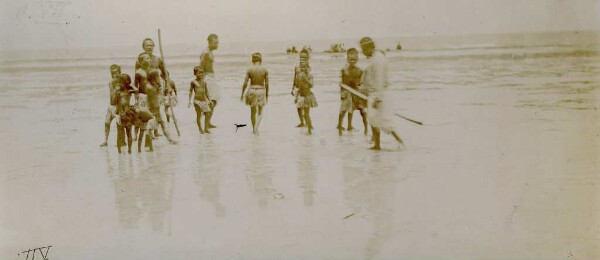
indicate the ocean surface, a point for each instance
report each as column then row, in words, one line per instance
column 506, row 165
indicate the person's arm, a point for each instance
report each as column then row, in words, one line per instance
column 161, row 67
column 295, row 81
column 267, row 84
column 174, row 87
column 206, row 94
column 190, row 97
column 245, row 84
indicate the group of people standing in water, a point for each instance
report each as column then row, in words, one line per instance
column 362, row 90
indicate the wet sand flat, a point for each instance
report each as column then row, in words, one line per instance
column 505, row 167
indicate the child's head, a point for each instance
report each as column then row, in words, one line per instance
column 256, row 57
column 144, row 59
column 304, row 55
column 198, row 72
column 126, row 79
column 115, row 70
column 352, row 56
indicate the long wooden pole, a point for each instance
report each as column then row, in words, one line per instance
column 361, row 95
column 167, row 80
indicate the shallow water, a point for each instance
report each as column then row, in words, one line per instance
column 505, row 167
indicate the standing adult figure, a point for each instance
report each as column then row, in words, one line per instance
column 207, row 60
column 375, row 80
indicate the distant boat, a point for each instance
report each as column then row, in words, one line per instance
column 291, row 50
column 336, row 48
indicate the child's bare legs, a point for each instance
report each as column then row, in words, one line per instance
column 350, row 114
column 363, row 114
column 167, row 113
column 107, row 122
column 199, row 118
column 340, row 128
column 210, row 114
column 149, row 140
column 301, row 116
column 129, row 139
column 140, row 139
column 376, row 138
column 258, row 117
column 253, row 118
column 307, row 119
column 120, row 137
column 206, row 122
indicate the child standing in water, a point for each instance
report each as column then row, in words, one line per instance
column 124, row 121
column 258, row 94
column 111, row 112
column 202, row 101
column 306, row 99
column 351, row 76
column 304, row 56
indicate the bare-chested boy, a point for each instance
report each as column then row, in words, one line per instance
column 207, row 60
column 170, row 98
column 258, row 94
column 351, row 76
column 306, row 98
column 124, row 123
column 111, row 112
column 140, row 81
column 153, row 92
column 140, row 117
column 201, row 99
column 304, row 57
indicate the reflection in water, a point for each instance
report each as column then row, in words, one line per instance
column 372, row 192
column 143, row 190
column 259, row 172
column 307, row 175
column 207, row 175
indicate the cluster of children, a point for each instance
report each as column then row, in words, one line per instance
column 304, row 98
column 144, row 115
column 150, row 94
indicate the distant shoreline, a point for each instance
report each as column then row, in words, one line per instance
column 411, row 43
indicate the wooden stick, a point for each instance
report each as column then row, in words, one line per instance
column 361, row 95
column 167, row 81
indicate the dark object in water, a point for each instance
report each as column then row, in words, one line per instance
column 346, row 217
column 398, row 47
column 237, row 126
column 336, row 48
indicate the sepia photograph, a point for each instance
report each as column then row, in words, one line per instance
column 300, row 129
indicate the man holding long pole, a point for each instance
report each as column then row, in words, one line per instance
column 375, row 79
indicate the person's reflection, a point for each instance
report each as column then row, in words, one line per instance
column 155, row 185
column 207, row 175
column 123, row 179
column 258, row 173
column 307, row 174
column 370, row 194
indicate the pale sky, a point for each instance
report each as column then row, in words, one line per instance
column 49, row 24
